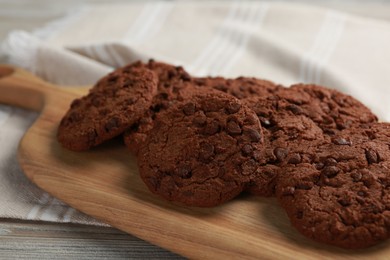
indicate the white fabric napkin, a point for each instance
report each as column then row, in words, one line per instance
column 286, row 43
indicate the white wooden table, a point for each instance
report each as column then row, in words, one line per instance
column 42, row 240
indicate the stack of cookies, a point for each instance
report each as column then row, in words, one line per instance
column 203, row 141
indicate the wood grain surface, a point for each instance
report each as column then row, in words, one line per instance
column 104, row 183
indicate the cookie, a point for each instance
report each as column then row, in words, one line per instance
column 174, row 85
column 201, row 151
column 295, row 121
column 342, row 196
column 116, row 102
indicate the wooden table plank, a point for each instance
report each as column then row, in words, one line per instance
column 43, row 240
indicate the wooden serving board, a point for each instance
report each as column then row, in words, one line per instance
column 104, row 183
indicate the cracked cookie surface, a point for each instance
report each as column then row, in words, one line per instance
column 330, row 109
column 173, row 86
column 116, row 102
column 342, row 197
column 201, row 151
column 241, row 87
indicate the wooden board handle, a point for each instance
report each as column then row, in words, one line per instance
column 21, row 88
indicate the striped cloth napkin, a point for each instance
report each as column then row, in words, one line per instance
column 286, row 43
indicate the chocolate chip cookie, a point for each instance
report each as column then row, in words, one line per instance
column 342, row 196
column 201, row 151
column 295, row 121
column 115, row 103
column 175, row 84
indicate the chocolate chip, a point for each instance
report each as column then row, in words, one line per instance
column 251, row 90
column 233, row 128
column 265, row 122
column 199, row 82
column 356, row 176
column 251, row 119
column 344, row 202
column 295, row 109
column 360, row 200
column 299, row 214
column 112, row 123
column 253, row 134
column 330, row 171
column 376, row 210
column 200, row 120
column 211, row 128
column 247, row 149
column 385, row 182
column 371, row 135
column 330, row 161
column 334, row 182
column 184, row 172
column 329, row 131
column 222, row 88
column 327, row 120
column 304, row 186
column 287, row 191
column 233, row 107
column 362, row 193
column 185, row 77
column 176, row 90
column 238, row 94
column 129, row 83
column 319, row 94
column 189, row 109
column 171, row 74
column 368, row 182
column 163, row 96
column 341, row 141
column 343, row 125
column 248, row 167
column 295, row 158
column 206, row 152
column 270, row 174
column 319, row 166
column 372, row 156
column 113, row 78
column 280, row 153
